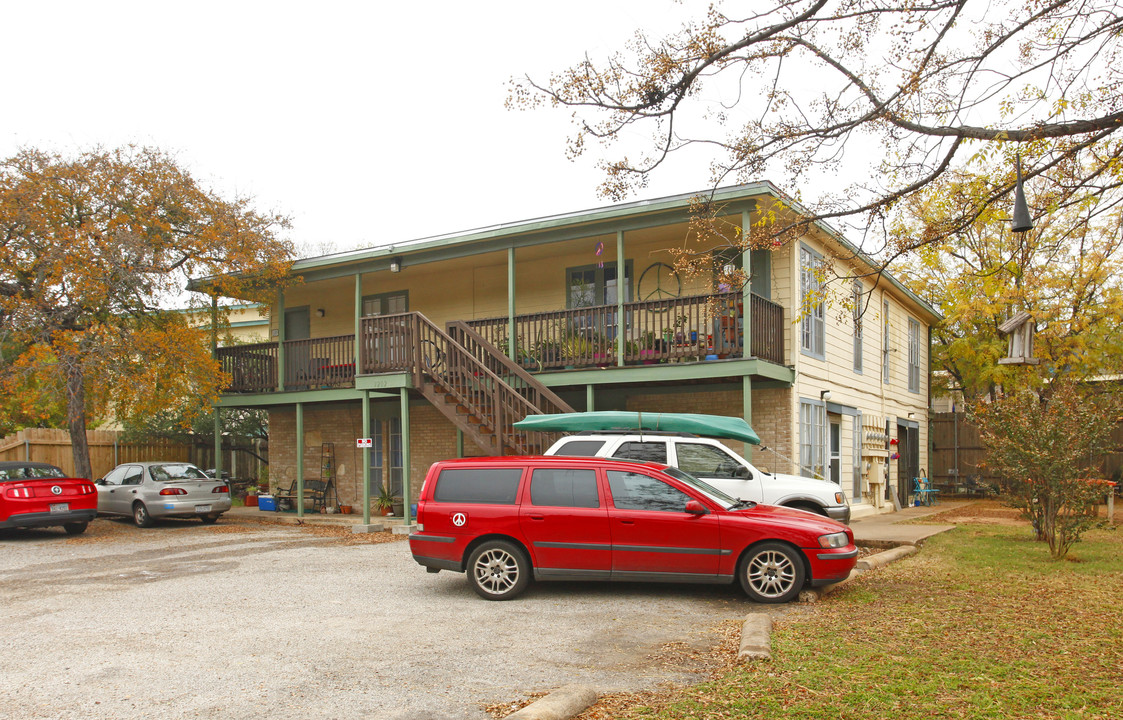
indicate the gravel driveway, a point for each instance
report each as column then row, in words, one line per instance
column 244, row 620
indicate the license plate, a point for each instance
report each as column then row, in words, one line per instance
column 202, row 508
column 60, row 507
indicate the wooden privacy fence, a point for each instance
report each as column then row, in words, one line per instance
column 956, row 445
column 106, row 450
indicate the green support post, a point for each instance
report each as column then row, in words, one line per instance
column 747, row 409
column 366, row 459
column 280, row 341
column 300, row 460
column 459, row 443
column 747, row 288
column 405, row 457
column 621, row 288
column 589, row 407
column 512, row 334
column 359, row 324
column 217, row 444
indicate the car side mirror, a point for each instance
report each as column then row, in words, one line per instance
column 696, row 508
column 99, row 481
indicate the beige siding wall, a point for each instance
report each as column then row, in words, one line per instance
column 864, row 391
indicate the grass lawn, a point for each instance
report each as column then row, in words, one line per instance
column 980, row 624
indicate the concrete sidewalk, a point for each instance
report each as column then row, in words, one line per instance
column 310, row 518
column 887, row 529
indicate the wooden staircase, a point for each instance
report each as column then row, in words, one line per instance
column 478, row 388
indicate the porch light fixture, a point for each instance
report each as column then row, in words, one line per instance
column 912, row 415
column 320, row 312
column 396, row 265
column 825, row 395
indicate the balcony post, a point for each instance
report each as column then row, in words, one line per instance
column 359, row 328
column 512, row 333
column 747, row 409
column 746, row 290
column 621, row 288
column 281, row 341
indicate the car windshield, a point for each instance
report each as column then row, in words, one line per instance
column 29, row 472
column 716, row 495
column 176, row 473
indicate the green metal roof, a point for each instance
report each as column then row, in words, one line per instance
column 556, row 228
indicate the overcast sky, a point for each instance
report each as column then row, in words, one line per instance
column 368, row 123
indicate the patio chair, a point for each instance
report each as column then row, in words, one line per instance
column 924, row 492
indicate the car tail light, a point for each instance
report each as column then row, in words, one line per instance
column 20, row 492
column 173, row 491
column 221, row 489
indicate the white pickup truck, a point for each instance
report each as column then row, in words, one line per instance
column 713, row 462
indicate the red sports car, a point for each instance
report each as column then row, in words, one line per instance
column 35, row 494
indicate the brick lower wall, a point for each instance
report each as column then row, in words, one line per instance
column 772, row 417
column 433, row 437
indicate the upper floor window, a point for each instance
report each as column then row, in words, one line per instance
column 812, row 325
column 914, row 356
column 885, row 341
column 857, row 300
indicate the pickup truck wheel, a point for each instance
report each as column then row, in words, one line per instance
column 498, row 570
column 809, row 507
column 771, row 572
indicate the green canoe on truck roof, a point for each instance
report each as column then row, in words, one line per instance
column 714, row 426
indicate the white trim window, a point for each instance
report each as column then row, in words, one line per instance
column 812, row 426
column 914, row 356
column 856, row 297
column 812, row 335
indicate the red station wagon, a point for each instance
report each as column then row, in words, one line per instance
column 565, row 518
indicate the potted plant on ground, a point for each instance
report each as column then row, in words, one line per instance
column 251, row 496
column 384, row 503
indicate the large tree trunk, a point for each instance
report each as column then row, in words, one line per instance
column 76, row 420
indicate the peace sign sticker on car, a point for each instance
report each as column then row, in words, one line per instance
column 459, row 519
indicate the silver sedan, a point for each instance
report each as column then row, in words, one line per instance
column 150, row 490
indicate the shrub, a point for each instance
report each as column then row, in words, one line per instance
column 1042, row 446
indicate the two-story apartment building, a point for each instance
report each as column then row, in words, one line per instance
column 432, row 348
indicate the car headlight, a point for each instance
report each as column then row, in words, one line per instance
column 834, row 540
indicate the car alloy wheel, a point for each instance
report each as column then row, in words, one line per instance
column 141, row 516
column 771, row 573
column 498, row 570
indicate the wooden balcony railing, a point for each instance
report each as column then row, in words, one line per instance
column 324, row 362
column 252, row 368
column 674, row 330
column 678, row 329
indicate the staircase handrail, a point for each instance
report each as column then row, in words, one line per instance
column 549, row 402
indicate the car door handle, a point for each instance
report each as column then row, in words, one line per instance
column 627, row 522
column 537, row 517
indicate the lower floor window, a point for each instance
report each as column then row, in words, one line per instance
column 812, row 425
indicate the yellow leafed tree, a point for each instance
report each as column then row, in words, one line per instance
column 91, row 246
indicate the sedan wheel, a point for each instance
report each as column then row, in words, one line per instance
column 208, row 519
column 75, row 528
column 498, row 570
column 771, row 573
column 141, row 516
